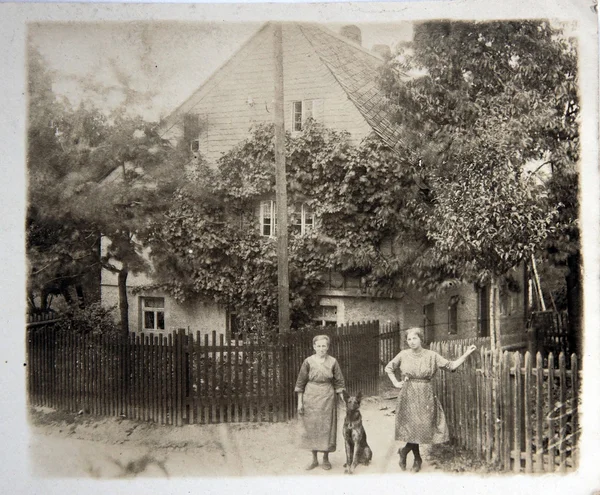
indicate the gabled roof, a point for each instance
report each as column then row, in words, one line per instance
column 353, row 67
column 356, row 70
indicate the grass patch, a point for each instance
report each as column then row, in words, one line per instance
column 454, row 459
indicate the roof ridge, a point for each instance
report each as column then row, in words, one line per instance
column 339, row 37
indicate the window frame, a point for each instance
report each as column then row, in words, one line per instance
column 305, row 213
column 296, row 113
column 272, row 208
column 324, row 320
column 429, row 323
column 154, row 310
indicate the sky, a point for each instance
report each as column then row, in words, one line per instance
column 152, row 67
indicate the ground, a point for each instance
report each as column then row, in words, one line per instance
column 74, row 445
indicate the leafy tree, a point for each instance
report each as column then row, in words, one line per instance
column 91, row 175
column 146, row 171
column 61, row 251
column 484, row 107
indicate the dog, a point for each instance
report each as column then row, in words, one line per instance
column 355, row 436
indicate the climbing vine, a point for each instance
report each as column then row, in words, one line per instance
column 376, row 218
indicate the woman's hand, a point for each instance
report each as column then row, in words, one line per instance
column 398, row 384
column 301, row 408
column 471, row 349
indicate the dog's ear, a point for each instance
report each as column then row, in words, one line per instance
column 359, row 396
column 346, row 395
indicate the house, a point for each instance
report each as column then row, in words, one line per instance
column 330, row 78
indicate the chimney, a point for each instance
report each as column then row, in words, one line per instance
column 384, row 51
column 352, row 33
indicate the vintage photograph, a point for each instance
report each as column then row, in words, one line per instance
column 303, row 248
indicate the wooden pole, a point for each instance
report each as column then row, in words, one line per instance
column 537, row 284
column 280, row 187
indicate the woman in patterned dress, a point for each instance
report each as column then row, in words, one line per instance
column 419, row 415
column 319, row 380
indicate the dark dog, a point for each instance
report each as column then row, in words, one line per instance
column 355, row 437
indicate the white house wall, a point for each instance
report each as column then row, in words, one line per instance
column 242, row 93
column 203, row 317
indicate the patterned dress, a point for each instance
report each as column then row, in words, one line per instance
column 320, row 382
column 419, row 415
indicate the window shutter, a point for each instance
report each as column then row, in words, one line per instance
column 318, row 107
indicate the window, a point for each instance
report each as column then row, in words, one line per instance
column 483, row 311
column 191, row 130
column 326, row 316
column 306, row 109
column 297, row 116
column 453, row 315
column 234, row 329
column 301, row 221
column 153, row 313
column 429, row 321
column 268, row 218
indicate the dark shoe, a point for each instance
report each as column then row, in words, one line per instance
column 326, row 465
column 312, row 465
column 417, row 464
column 402, row 462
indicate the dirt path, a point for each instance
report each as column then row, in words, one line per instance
column 76, row 446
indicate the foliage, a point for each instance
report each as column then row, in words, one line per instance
column 455, row 459
column 92, row 319
column 485, row 108
column 91, row 175
column 61, row 251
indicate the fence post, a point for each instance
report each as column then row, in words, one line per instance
column 539, row 402
column 518, row 413
column 575, row 411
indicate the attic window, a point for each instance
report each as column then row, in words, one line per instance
column 191, row 130
column 304, row 110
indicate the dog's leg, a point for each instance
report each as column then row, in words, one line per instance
column 349, row 455
column 356, row 437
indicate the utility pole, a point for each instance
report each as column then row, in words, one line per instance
column 283, row 283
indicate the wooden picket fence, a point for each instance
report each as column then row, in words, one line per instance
column 185, row 379
column 517, row 411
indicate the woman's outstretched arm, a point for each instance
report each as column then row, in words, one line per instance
column 452, row 365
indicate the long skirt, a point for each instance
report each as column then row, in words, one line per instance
column 419, row 415
column 319, row 420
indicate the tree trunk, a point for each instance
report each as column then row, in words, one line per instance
column 123, row 304
column 574, row 303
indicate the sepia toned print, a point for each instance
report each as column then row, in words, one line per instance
column 237, row 232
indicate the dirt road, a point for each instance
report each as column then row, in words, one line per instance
column 79, row 445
